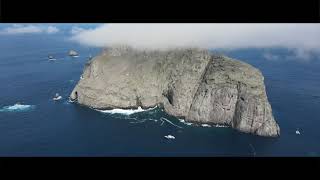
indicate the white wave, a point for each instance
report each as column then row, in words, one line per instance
column 217, row 125
column 17, row 107
column 170, row 137
column 205, row 125
column 184, row 122
column 57, row 98
column 126, row 111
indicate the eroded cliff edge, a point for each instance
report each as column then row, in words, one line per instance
column 189, row 83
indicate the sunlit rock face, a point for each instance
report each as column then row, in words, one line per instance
column 188, row 83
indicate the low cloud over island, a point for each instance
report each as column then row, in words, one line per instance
column 302, row 38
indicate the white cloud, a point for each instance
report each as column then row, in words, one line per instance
column 76, row 30
column 28, row 29
column 19, row 29
column 295, row 36
column 52, row 30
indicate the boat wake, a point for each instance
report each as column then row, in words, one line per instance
column 17, row 108
column 168, row 121
column 162, row 121
column 253, row 150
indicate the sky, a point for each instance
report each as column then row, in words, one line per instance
column 43, row 28
column 301, row 38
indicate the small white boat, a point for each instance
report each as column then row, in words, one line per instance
column 297, row 131
column 73, row 53
column 51, row 58
column 170, row 137
column 57, row 97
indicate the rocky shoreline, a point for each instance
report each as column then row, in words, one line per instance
column 189, row 83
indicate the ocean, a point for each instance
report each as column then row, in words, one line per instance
column 61, row 128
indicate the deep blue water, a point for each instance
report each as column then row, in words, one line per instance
column 66, row 129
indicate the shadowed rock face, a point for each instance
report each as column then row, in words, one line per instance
column 188, row 83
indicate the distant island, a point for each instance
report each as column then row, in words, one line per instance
column 188, row 83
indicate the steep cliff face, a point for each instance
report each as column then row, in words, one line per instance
column 189, row 83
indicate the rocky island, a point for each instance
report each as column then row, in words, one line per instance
column 189, row 83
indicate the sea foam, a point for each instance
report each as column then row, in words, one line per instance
column 184, row 122
column 126, row 111
column 17, row 108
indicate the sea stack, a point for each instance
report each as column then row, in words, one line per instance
column 73, row 53
column 189, row 83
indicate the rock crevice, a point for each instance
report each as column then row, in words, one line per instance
column 190, row 83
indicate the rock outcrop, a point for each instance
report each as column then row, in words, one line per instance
column 189, row 83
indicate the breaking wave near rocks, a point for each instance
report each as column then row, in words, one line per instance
column 17, row 108
column 126, row 111
column 154, row 115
